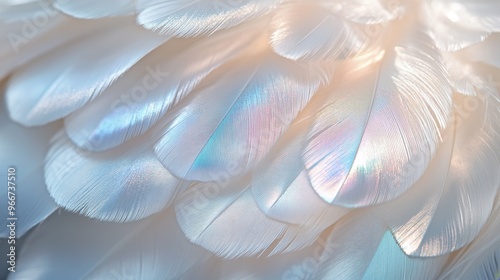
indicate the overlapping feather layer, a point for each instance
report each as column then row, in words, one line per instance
column 270, row 139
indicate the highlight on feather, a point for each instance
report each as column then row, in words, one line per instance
column 444, row 213
column 141, row 97
column 365, row 249
column 190, row 18
column 455, row 25
column 357, row 165
column 372, row 11
column 95, row 8
column 311, row 32
column 211, row 139
column 480, row 259
column 255, row 106
column 75, row 73
column 280, row 184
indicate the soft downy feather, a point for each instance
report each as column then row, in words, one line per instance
column 24, row 149
column 376, row 122
column 189, row 18
column 312, row 32
column 125, row 184
column 466, row 77
column 142, row 96
column 148, row 249
column 450, row 204
column 363, row 248
column 224, row 218
column 456, row 24
column 255, row 104
column 55, row 84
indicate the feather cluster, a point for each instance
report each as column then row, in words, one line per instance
column 271, row 139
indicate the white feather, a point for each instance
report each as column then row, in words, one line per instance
column 73, row 247
column 372, row 11
column 481, row 259
column 21, row 40
column 453, row 200
column 223, row 218
column 66, row 79
column 125, row 184
column 24, row 149
column 312, row 32
column 376, row 122
column 254, row 106
column 361, row 248
column 466, row 77
column 289, row 266
column 189, row 18
column 456, row 24
column 91, row 9
column 140, row 98
column 281, row 186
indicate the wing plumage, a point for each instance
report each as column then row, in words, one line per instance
column 224, row 218
column 233, row 132
column 139, row 99
column 361, row 248
column 269, row 139
column 376, row 123
column 455, row 197
column 68, row 79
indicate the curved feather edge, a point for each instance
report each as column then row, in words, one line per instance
column 66, row 247
column 311, row 32
column 92, row 9
column 447, row 208
column 121, row 185
column 55, row 84
column 458, row 24
column 481, row 259
column 481, row 14
column 289, row 266
column 256, row 103
column 24, row 149
column 181, row 18
column 360, row 247
column 280, row 184
column 142, row 96
column 403, row 103
column 15, row 48
column 223, row 218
